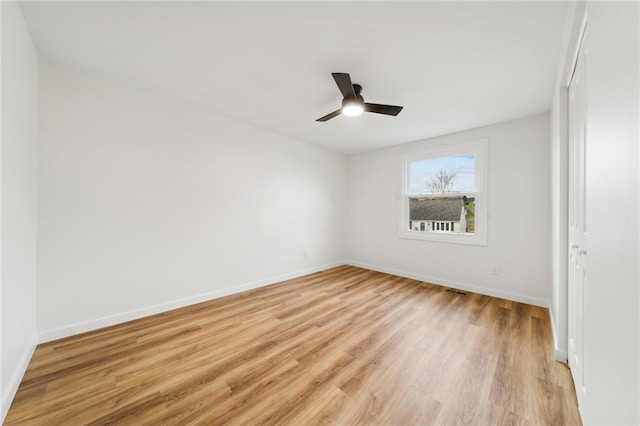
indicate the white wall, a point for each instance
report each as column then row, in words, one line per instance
column 518, row 216
column 147, row 204
column 18, row 200
column 612, row 321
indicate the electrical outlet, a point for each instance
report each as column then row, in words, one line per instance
column 495, row 269
column 305, row 253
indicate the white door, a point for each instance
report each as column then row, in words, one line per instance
column 577, row 220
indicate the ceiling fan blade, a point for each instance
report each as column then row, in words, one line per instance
column 383, row 109
column 343, row 80
column 330, row 115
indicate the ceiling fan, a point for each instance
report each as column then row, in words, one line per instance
column 352, row 103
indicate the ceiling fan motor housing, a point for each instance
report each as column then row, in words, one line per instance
column 356, row 103
column 357, row 100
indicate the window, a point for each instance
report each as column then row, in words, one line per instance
column 444, row 194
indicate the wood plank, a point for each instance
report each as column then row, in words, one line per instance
column 341, row 346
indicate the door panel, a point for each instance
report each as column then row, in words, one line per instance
column 577, row 220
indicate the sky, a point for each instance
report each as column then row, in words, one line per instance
column 420, row 172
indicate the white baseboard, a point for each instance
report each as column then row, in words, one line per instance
column 16, row 378
column 559, row 354
column 456, row 285
column 95, row 324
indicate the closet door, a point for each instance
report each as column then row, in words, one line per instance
column 578, row 284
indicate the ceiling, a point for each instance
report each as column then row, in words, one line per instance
column 452, row 65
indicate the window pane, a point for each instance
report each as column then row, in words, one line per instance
column 443, row 175
column 452, row 213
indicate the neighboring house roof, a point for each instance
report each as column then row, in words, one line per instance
column 440, row 209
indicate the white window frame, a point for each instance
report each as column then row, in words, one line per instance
column 478, row 147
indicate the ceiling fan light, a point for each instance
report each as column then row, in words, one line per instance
column 352, row 109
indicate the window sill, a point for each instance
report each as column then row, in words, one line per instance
column 445, row 237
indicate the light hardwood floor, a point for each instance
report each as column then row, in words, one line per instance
column 343, row 346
